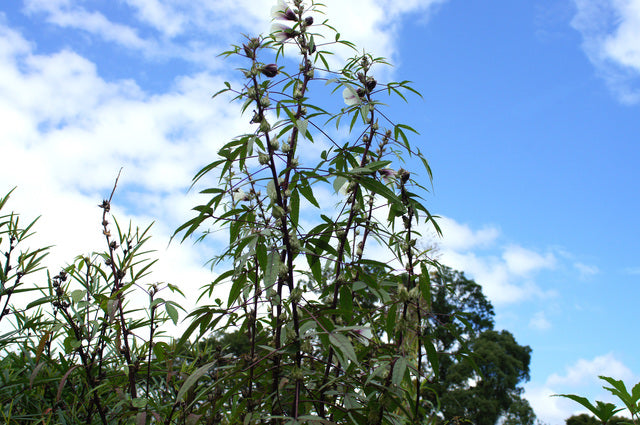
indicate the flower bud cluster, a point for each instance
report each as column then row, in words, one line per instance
column 403, row 293
column 296, row 295
column 297, row 374
column 414, row 293
column 251, row 47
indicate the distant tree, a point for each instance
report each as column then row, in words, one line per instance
column 582, row 419
column 520, row 413
column 482, row 387
column 586, row 419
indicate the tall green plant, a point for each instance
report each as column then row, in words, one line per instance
column 327, row 358
column 17, row 263
column 87, row 355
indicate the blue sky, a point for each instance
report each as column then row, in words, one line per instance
column 530, row 120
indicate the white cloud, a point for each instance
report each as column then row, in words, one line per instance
column 67, row 132
column 611, row 39
column 457, row 236
column 587, row 371
column 159, row 15
column 586, row 270
column 63, row 14
column 539, row 321
column 201, row 22
column 505, row 272
column 549, row 409
column 580, row 378
column 522, row 261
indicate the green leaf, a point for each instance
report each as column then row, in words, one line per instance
column 620, row 391
column 346, row 301
column 391, row 319
column 399, row 369
column 316, row 268
column 302, row 127
column 603, row 411
column 432, row 356
column 315, row 420
column 380, row 189
column 193, row 378
column 78, row 295
column 39, row 301
column 139, row 403
column 172, row 312
column 261, row 254
column 635, row 393
column 236, row 288
column 295, row 207
column 338, row 183
column 306, row 191
column 271, row 190
column 273, row 267
column 341, row 343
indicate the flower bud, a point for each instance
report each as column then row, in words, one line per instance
column 254, row 43
column 403, row 174
column 265, row 127
column 250, row 53
column 403, row 293
column 414, row 293
column 263, row 158
column 270, row 70
column 371, row 83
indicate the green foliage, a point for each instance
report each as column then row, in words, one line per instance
column 605, row 411
column 86, row 354
column 331, row 314
column 17, row 265
column 329, row 298
column 520, row 413
column 585, row 419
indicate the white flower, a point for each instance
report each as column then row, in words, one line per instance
column 282, row 11
column 282, row 32
column 240, row 195
column 350, row 96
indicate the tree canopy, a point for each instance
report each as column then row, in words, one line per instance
column 478, row 377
